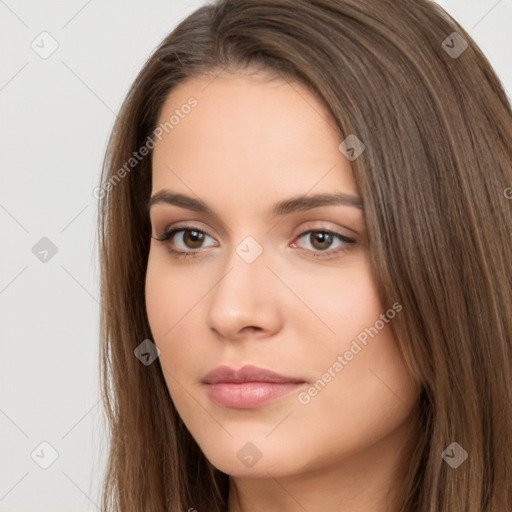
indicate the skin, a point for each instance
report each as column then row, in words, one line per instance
column 252, row 141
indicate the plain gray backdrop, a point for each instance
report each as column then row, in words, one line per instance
column 58, row 105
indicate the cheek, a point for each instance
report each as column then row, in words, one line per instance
column 159, row 299
column 359, row 361
column 344, row 301
column 173, row 305
column 169, row 296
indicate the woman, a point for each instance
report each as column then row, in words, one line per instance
column 305, row 244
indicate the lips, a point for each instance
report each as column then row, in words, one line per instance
column 248, row 373
column 247, row 387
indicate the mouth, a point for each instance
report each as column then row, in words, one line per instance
column 247, row 387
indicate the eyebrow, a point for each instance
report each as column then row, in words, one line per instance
column 285, row 207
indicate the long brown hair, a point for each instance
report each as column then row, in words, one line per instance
column 433, row 178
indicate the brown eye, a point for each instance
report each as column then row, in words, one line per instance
column 184, row 242
column 320, row 243
column 193, row 239
column 321, row 240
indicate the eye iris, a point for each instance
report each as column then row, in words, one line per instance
column 193, row 239
column 324, row 238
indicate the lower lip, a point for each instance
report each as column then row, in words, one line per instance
column 246, row 395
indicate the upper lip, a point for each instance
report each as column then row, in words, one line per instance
column 247, row 373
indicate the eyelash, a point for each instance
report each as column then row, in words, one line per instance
column 315, row 254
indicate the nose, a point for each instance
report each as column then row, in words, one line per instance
column 247, row 299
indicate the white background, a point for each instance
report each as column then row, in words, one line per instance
column 56, row 115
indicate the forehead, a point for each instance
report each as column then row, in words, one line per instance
column 256, row 136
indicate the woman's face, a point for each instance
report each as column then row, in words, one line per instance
column 285, row 289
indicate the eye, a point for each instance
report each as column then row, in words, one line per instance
column 320, row 240
column 189, row 237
